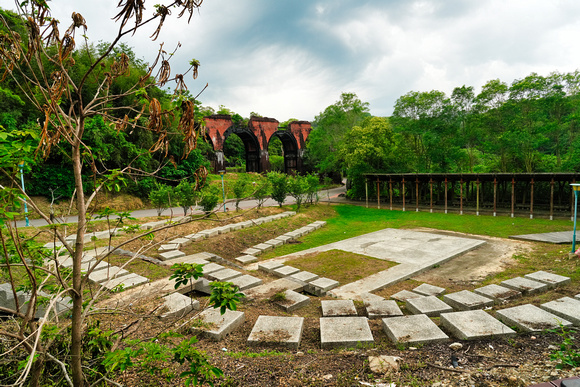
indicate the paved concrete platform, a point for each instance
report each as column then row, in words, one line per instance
column 216, row 326
column 277, row 331
column 127, row 282
column 338, row 308
column 551, row 279
column 293, row 301
column 285, row 271
column 344, row 332
column 171, row 255
column 304, row 276
column 245, row 281
column 269, row 289
column 561, row 237
column 565, row 307
column 245, row 259
column 416, row 329
column 474, row 324
column 499, row 294
column 405, row 295
column 429, row 305
column 211, row 267
column 103, row 275
column 466, row 300
column 199, row 258
column 383, row 308
column 178, row 305
column 525, row 285
column 223, row 275
column 321, row 286
column 530, row 318
column 268, row 266
column 429, row 290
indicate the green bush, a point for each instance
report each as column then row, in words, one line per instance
column 161, row 197
column 210, row 197
column 279, row 183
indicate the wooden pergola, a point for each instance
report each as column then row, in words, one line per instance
column 508, row 192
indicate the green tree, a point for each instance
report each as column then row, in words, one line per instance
column 298, row 188
column 279, row 184
column 186, row 195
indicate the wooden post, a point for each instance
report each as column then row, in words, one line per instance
column 461, row 196
column 552, row 199
column 417, row 193
column 477, row 198
column 494, row 196
column 403, row 183
column 367, row 192
column 431, row 194
column 391, row 191
column 532, row 199
column 445, row 194
column 378, row 195
column 513, row 195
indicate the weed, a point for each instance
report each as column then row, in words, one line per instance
column 568, row 354
column 278, row 297
column 264, row 353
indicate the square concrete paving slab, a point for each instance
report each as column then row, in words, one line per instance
column 499, row 294
column 429, row 305
column 178, row 305
column 93, row 265
column 196, row 237
column 246, row 281
column 344, row 332
column 551, row 279
column 263, row 247
column 466, row 300
column 285, row 271
column 211, row 267
column 405, row 295
column 168, row 247
column 268, row 266
column 215, row 325
column 245, row 259
column 474, row 324
column 289, row 213
column 171, row 255
column 429, row 290
column 304, row 276
column 367, row 298
column 577, row 296
column 269, row 289
column 530, row 318
column 284, row 238
column 180, row 241
column 103, row 275
column 209, row 233
column 277, row 331
column 198, row 258
column 383, row 308
column 321, row 286
column 294, row 234
column 274, row 242
column 252, row 251
column 524, row 285
column 416, row 329
column 129, row 281
column 293, row 301
column 338, row 308
column 223, row 275
column 565, row 307
column 224, row 229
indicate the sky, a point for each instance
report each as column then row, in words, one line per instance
column 293, row 58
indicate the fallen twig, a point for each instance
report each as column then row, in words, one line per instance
column 446, row 369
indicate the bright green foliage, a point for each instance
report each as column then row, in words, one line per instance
column 241, row 188
column 161, row 198
column 200, row 371
column 262, row 189
column 210, row 196
column 186, row 195
column 279, row 184
column 297, row 188
column 569, row 352
column 224, row 295
column 185, row 272
column 313, row 185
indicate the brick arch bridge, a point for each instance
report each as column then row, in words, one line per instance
column 256, row 137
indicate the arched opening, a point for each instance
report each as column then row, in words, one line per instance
column 283, row 150
column 233, row 149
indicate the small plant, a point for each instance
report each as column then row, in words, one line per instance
column 224, row 295
column 184, row 272
column 278, row 297
column 569, row 353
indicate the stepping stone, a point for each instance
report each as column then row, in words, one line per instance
column 524, row 285
column 530, row 318
column 294, row 234
column 499, row 294
column 466, row 300
column 209, row 233
column 284, row 238
column 304, row 276
column 321, row 286
column 274, row 243
column 314, row 226
column 338, row 308
column 368, row 298
column 196, row 237
column 245, row 259
column 285, row 271
column 565, row 307
column 277, row 331
column 290, row 213
column 224, row 229
column 551, row 279
column 93, row 265
column 245, row 281
column 252, row 251
column 180, row 241
column 344, row 332
column 269, row 266
column 171, row 255
column 245, row 224
column 405, row 295
column 168, row 247
column 474, row 324
column 128, row 281
column 104, row 275
column 215, row 326
column 429, row 305
column 322, row 223
column 269, row 289
column 293, row 301
column 416, row 329
column 223, row 275
column 199, row 258
column 235, row 226
column 383, row 308
column 211, row 267
column 178, row 305
column 263, row 247
column 429, row 290
column 577, row 296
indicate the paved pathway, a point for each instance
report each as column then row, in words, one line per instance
column 558, row 238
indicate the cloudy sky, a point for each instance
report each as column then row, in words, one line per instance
column 292, row 58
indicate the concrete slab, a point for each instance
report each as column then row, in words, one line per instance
column 99, row 252
column 500, row 294
column 180, row 241
column 199, row 258
column 383, row 308
column 429, row 305
column 304, row 276
column 294, row 234
column 128, row 281
column 416, row 329
column 320, row 222
column 285, row 271
column 196, row 237
column 551, row 279
column 267, row 290
column 224, row 229
column 252, row 251
column 337, row 308
column 93, row 265
column 321, row 286
column 565, row 307
column 524, row 285
column 235, row 226
column 367, row 298
column 289, row 213
column 344, row 332
column 530, row 318
column 577, row 296
column 268, row 266
column 274, row 242
column 216, row 326
column 561, row 237
column 211, row 267
column 171, row 255
column 474, row 324
column 263, row 247
column 168, row 247
column 405, row 295
column 223, row 275
column 246, row 281
column 466, row 300
column 178, row 305
column 429, row 290
column 277, row 331
column 245, row 259
column 293, row 301
column 111, row 272
column 284, row 238
column 212, row 232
